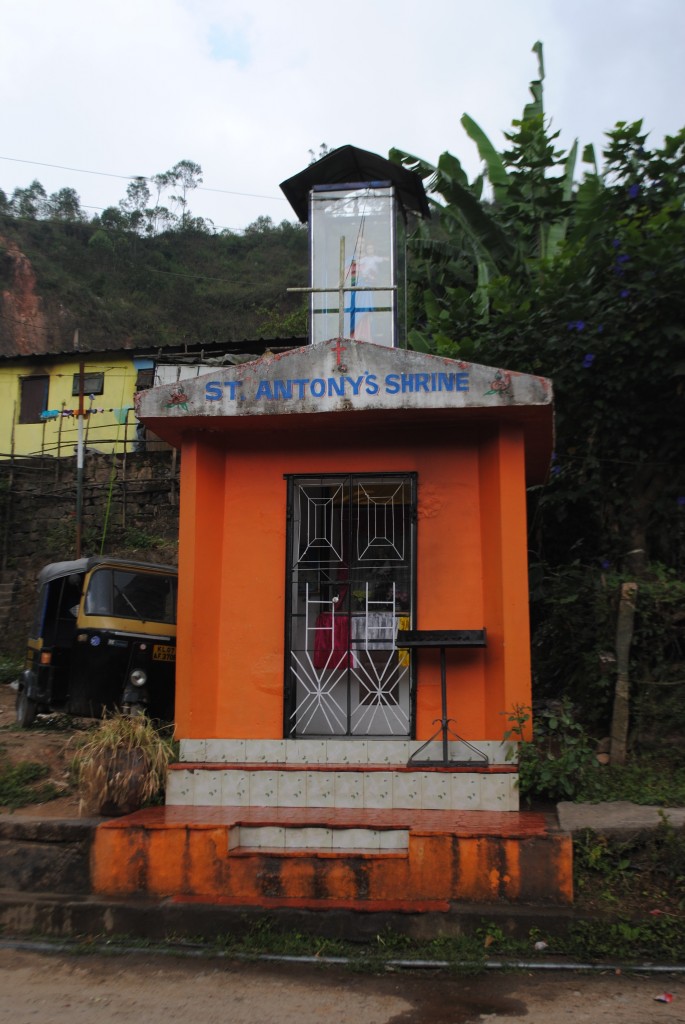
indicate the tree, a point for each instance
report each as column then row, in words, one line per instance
column 136, row 203
column 508, row 222
column 263, row 225
column 324, row 150
column 29, row 203
column 184, row 176
column 65, row 205
column 580, row 281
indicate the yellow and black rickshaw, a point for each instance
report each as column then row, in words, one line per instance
column 103, row 638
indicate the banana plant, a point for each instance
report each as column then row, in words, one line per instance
column 509, row 222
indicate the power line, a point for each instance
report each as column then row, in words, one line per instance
column 136, row 177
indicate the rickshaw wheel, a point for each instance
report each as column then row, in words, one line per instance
column 27, row 709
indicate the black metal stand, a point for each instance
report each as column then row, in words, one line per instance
column 416, row 639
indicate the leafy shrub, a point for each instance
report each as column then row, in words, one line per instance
column 555, row 765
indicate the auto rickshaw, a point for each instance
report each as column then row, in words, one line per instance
column 103, row 638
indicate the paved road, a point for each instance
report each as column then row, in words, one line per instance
column 38, row 988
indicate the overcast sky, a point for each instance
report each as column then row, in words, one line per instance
column 246, row 88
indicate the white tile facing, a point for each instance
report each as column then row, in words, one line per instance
column 292, row 789
column 305, row 752
column 320, row 789
column 263, row 788
column 308, row 838
column 378, row 789
column 217, row 751
column 261, row 836
column 207, row 792
column 192, row 750
column 435, row 791
column 235, row 788
column 179, row 788
column 494, row 750
column 346, row 751
column 394, row 839
column 349, row 789
column 431, row 752
column 406, row 789
column 473, row 754
column 265, row 751
column 356, row 839
column 225, row 751
column 301, row 838
column 497, row 751
column 338, row 751
column 499, row 793
column 466, row 791
column 390, row 752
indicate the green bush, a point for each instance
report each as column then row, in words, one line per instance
column 556, row 764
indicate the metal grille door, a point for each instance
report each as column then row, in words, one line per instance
column 350, row 588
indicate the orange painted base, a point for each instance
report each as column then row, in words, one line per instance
column 474, row 856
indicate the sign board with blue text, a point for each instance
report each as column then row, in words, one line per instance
column 343, row 375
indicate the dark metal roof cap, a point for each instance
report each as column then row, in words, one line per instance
column 349, row 164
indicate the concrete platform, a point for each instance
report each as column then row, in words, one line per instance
column 616, row 816
column 45, row 889
column 432, row 858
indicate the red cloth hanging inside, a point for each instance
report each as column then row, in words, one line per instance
column 332, row 641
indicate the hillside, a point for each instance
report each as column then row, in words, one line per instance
column 123, row 290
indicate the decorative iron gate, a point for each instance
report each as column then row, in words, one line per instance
column 350, row 587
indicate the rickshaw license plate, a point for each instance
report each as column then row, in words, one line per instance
column 163, row 652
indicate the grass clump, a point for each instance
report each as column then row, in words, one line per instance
column 653, row 777
column 639, row 871
column 121, row 764
column 23, row 783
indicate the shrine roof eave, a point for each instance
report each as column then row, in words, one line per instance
column 536, row 422
column 348, row 383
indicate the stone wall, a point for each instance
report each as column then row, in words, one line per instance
column 129, row 509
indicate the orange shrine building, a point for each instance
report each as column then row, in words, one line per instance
column 353, row 604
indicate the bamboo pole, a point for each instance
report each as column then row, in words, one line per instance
column 621, row 711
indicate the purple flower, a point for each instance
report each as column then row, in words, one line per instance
column 605, row 563
column 681, row 501
column 624, row 293
column 600, row 328
column 588, row 360
column 576, row 325
column 634, row 191
column 616, row 243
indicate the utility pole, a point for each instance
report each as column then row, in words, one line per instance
column 79, row 456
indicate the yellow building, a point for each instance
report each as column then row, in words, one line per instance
column 40, row 398
column 40, row 395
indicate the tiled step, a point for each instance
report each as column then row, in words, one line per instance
column 485, row 788
column 344, row 773
column 345, row 751
column 284, row 839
